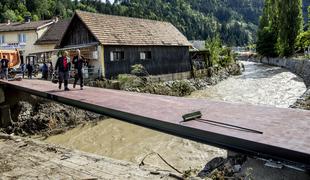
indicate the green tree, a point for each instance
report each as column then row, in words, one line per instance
column 213, row 45
column 268, row 30
column 266, row 44
column 290, row 25
column 9, row 15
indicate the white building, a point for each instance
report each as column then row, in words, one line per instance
column 23, row 36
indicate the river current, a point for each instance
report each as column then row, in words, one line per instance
column 259, row 84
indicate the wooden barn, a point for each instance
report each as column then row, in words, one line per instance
column 115, row 43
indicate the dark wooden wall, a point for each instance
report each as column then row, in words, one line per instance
column 165, row 60
column 77, row 34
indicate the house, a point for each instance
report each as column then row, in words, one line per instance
column 50, row 38
column 23, row 35
column 199, row 55
column 198, row 45
column 112, row 44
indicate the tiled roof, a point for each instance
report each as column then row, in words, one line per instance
column 120, row 30
column 198, row 44
column 18, row 26
column 54, row 33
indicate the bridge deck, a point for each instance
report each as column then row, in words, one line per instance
column 285, row 131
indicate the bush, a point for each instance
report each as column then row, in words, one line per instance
column 138, row 70
column 227, row 57
column 182, row 88
column 129, row 81
column 213, row 45
column 303, row 41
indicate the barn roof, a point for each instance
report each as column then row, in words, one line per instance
column 23, row 26
column 54, row 33
column 120, row 30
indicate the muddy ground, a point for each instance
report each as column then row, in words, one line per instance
column 23, row 158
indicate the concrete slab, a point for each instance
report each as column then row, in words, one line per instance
column 285, row 131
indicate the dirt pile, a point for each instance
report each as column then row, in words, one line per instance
column 46, row 118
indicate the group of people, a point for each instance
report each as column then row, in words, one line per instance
column 63, row 67
column 31, row 70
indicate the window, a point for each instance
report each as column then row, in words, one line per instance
column 145, row 55
column 117, row 55
column 2, row 40
column 22, row 38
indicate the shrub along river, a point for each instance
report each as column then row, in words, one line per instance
column 259, row 84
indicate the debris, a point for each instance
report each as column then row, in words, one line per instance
column 272, row 164
column 64, row 157
column 51, row 149
column 155, row 173
column 23, row 145
column 210, row 166
column 237, row 168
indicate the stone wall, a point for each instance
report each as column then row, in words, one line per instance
column 300, row 67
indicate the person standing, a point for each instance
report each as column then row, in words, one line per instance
column 5, row 67
column 44, row 71
column 29, row 68
column 78, row 62
column 50, row 70
column 23, row 68
column 63, row 65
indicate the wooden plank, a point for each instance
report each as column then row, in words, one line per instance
column 285, row 131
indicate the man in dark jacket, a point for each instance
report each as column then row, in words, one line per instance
column 5, row 67
column 63, row 65
column 29, row 68
column 44, row 71
column 78, row 62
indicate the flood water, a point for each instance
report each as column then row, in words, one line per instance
column 259, row 84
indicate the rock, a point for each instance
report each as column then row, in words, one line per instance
column 228, row 169
column 237, row 168
column 210, row 166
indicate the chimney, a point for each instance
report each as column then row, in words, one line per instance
column 8, row 22
column 27, row 19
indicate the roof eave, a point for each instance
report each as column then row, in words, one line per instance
column 45, row 25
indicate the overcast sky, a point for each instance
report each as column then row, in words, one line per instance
column 112, row 1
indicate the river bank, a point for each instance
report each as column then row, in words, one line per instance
column 204, row 79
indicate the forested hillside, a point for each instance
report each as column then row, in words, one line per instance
column 236, row 21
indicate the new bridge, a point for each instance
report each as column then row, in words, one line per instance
column 278, row 133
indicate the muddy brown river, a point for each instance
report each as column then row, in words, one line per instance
column 259, row 84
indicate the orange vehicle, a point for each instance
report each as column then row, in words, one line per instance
column 13, row 57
